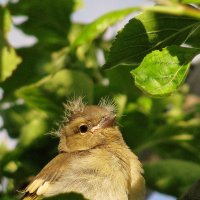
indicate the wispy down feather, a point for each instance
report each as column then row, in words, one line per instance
column 108, row 103
column 74, row 106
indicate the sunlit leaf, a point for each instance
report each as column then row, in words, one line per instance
column 190, row 1
column 8, row 57
column 162, row 72
column 34, row 129
column 9, row 62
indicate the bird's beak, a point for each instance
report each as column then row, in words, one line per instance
column 105, row 122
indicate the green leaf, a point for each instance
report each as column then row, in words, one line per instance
column 119, row 73
column 69, row 196
column 92, row 30
column 181, row 136
column 33, row 129
column 171, row 176
column 36, row 97
column 8, row 197
column 48, row 20
column 147, row 32
column 3, row 150
column 9, row 62
column 194, row 40
column 14, row 118
column 24, row 123
column 162, row 72
column 49, row 93
column 8, row 57
column 190, row 1
column 139, row 122
column 5, row 22
column 31, row 69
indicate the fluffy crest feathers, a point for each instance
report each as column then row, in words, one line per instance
column 74, row 106
column 108, row 104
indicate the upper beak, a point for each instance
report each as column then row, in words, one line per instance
column 105, row 122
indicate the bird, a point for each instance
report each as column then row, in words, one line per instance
column 93, row 159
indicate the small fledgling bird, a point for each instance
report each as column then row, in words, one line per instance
column 93, row 159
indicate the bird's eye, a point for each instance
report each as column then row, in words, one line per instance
column 83, row 128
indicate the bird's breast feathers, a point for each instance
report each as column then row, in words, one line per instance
column 99, row 176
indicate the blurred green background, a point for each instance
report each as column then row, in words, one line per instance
column 65, row 61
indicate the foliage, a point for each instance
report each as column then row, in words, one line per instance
column 155, row 48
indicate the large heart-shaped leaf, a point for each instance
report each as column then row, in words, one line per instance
column 147, row 32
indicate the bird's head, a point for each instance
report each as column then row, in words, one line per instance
column 88, row 127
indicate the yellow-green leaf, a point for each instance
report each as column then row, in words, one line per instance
column 8, row 57
column 162, row 72
column 9, row 62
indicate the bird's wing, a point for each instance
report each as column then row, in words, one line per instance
column 137, row 181
column 47, row 176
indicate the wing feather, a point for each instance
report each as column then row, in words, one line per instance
column 46, row 177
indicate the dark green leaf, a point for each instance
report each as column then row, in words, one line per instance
column 145, row 33
column 193, row 40
column 8, row 197
column 14, row 118
column 162, row 72
column 48, row 20
column 114, row 88
column 171, row 176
